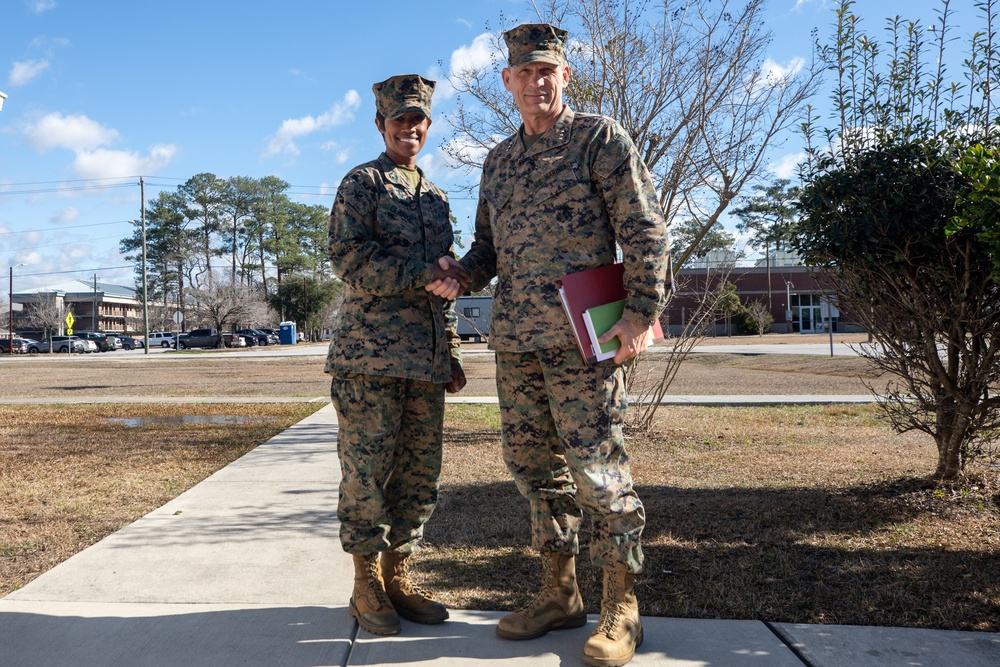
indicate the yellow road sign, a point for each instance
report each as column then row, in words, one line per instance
column 69, row 320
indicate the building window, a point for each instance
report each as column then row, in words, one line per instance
column 471, row 312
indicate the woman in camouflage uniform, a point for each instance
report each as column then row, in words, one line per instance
column 393, row 353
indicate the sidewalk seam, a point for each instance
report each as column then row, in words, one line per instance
column 787, row 641
column 355, row 627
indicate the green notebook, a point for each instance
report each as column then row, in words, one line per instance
column 598, row 320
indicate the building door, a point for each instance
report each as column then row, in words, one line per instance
column 810, row 319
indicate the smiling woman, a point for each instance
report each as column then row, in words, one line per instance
column 393, row 352
column 404, row 137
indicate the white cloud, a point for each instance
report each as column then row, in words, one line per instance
column 105, row 163
column 466, row 22
column 88, row 140
column 480, row 53
column 76, row 133
column 68, row 214
column 296, row 73
column 23, row 72
column 39, row 6
column 776, row 73
column 283, row 141
column 48, row 44
column 471, row 152
column 31, row 258
column 80, row 250
column 434, row 165
column 341, row 154
column 785, row 166
column 819, row 5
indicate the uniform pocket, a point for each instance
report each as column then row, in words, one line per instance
column 558, row 178
column 398, row 221
column 497, row 193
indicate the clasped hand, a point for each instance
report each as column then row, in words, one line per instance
column 450, row 279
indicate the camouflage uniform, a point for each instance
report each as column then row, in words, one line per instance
column 392, row 347
column 559, row 207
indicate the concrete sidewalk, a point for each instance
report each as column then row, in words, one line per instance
column 246, row 569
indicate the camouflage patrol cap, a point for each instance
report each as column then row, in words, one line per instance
column 402, row 94
column 535, row 42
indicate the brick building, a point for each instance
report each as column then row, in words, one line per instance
column 95, row 306
column 796, row 297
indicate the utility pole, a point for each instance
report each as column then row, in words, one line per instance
column 10, row 302
column 145, row 293
column 93, row 318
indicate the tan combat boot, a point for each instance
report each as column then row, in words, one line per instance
column 369, row 603
column 410, row 601
column 619, row 631
column 558, row 605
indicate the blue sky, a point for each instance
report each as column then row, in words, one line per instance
column 102, row 92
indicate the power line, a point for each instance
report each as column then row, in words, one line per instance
column 55, row 245
column 91, row 270
column 81, row 188
column 67, row 229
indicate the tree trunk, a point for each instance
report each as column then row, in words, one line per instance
column 952, row 433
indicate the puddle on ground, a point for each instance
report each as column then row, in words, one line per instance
column 183, row 420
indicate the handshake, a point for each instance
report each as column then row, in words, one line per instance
column 450, row 279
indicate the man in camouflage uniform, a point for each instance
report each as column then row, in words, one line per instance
column 393, row 353
column 555, row 198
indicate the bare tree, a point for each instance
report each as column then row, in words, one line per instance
column 222, row 305
column 47, row 314
column 760, row 313
column 4, row 315
column 689, row 82
column 649, row 377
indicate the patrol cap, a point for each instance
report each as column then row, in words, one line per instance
column 535, row 42
column 402, row 94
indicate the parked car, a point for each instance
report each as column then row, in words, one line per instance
column 199, row 338
column 15, row 346
column 234, row 340
column 61, row 344
column 33, row 346
column 130, row 342
column 162, row 339
column 261, row 337
column 89, row 345
column 103, row 341
column 272, row 335
column 115, row 340
column 250, row 341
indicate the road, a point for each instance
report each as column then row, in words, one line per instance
column 319, row 350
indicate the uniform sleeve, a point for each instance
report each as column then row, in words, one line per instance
column 640, row 229
column 356, row 257
column 451, row 331
column 481, row 260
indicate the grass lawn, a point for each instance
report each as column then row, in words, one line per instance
column 813, row 514
column 72, row 474
column 800, row 514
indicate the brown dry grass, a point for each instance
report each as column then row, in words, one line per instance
column 813, row 514
column 192, row 374
column 70, row 476
column 806, row 514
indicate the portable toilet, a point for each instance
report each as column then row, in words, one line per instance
column 286, row 333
